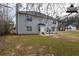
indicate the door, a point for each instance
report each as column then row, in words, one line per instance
column 42, row 30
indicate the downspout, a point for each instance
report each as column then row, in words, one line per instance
column 16, row 18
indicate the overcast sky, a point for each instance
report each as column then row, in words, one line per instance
column 60, row 9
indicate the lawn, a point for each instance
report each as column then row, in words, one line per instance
column 70, row 34
column 29, row 45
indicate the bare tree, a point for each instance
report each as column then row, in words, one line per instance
column 4, row 18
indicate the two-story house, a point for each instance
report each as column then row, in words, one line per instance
column 31, row 22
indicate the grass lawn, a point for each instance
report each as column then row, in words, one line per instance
column 38, row 45
column 70, row 34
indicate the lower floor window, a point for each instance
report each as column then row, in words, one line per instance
column 29, row 28
column 38, row 28
column 53, row 28
column 47, row 29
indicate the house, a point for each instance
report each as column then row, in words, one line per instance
column 70, row 28
column 31, row 22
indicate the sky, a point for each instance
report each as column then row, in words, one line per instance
column 56, row 9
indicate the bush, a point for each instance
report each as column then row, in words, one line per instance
column 6, row 26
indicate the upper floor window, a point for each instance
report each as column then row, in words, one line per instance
column 54, row 21
column 29, row 18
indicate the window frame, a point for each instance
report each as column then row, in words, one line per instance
column 29, row 28
column 53, row 28
column 54, row 21
column 29, row 18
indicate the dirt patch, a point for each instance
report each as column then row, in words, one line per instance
column 2, row 45
column 33, row 50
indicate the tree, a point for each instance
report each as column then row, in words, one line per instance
column 6, row 24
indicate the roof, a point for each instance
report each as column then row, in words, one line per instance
column 71, row 25
column 37, row 14
column 41, row 24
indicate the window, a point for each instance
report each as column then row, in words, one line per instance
column 29, row 18
column 38, row 28
column 47, row 29
column 53, row 28
column 29, row 28
column 54, row 22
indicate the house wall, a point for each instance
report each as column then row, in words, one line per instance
column 23, row 23
column 50, row 24
column 71, row 28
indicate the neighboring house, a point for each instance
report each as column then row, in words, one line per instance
column 31, row 22
column 71, row 28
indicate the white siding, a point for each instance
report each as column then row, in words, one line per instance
column 23, row 23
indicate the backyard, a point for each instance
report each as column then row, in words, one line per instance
column 61, row 44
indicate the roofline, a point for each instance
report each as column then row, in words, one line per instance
column 45, row 16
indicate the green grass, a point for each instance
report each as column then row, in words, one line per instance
column 38, row 45
column 70, row 34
